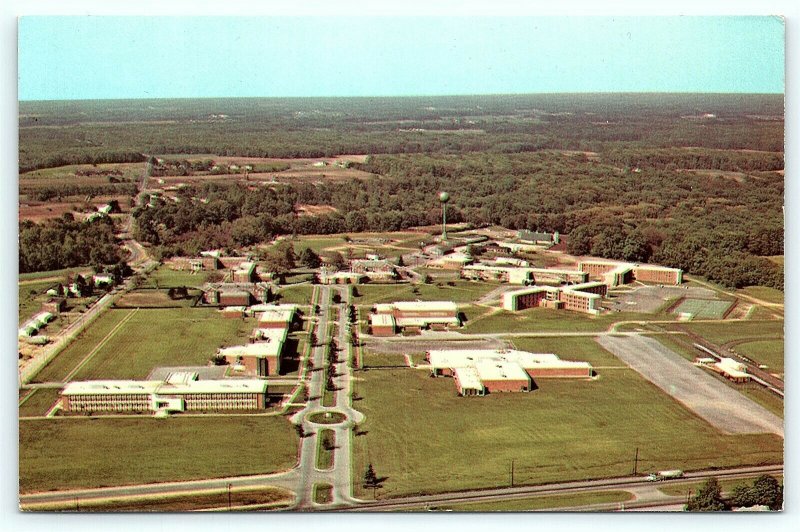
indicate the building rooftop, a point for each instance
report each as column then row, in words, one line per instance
column 382, row 320
column 269, row 344
column 180, row 385
column 500, row 370
column 283, row 315
column 110, row 387
column 454, row 358
column 431, row 306
column 468, row 378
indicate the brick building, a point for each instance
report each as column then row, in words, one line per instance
column 584, row 297
column 262, row 357
column 417, row 315
column 615, row 273
column 180, row 392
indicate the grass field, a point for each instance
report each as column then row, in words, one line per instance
column 164, row 277
column 371, row 359
column 727, row 485
column 580, row 348
column 541, row 502
column 460, row 292
column 154, row 299
column 327, row 440
column 62, row 274
column 31, row 296
column 709, row 309
column 150, row 338
column 769, row 352
column 213, row 499
column 549, row 320
column 74, row 453
column 764, row 293
column 300, row 294
column 719, row 333
column 39, row 402
column 426, row 439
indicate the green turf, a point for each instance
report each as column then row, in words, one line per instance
column 53, row 273
column 317, row 244
column 719, row 333
column 151, row 337
column 370, row 359
column 549, row 320
column 764, row 293
column 39, row 402
column 769, row 352
column 73, row 453
column 424, row 438
column 31, row 297
column 460, row 292
column 155, row 299
column 704, row 308
column 164, row 277
column 324, row 456
column 262, row 497
column 764, row 397
column 579, row 348
column 300, row 294
column 541, row 502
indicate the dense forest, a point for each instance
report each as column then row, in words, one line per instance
column 686, row 180
column 65, row 243
column 58, row 133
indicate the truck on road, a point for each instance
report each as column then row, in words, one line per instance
column 665, row 475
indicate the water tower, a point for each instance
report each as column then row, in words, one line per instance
column 444, row 197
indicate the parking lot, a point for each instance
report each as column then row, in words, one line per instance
column 650, row 299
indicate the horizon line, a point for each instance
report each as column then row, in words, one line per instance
column 398, row 96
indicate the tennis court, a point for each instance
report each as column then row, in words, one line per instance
column 704, row 308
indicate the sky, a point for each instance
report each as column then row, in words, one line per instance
column 153, row 57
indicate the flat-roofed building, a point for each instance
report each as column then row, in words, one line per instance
column 382, row 324
column 178, row 393
column 731, row 369
column 262, row 357
column 277, row 317
column 245, row 272
column 583, row 297
column 328, row 277
column 615, row 273
column 502, row 369
column 504, row 274
column 233, row 312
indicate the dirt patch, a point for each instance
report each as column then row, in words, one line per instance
column 315, row 210
column 37, row 211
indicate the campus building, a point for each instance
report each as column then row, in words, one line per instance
column 179, row 392
column 411, row 316
column 584, row 297
column 375, row 268
column 275, row 316
column 516, row 271
column 262, row 357
column 244, row 272
column 331, row 277
column 236, row 294
column 615, row 273
column 537, row 237
column 481, row 371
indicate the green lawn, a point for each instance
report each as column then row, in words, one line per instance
column 150, row 338
column 541, row 502
column 317, row 244
column 460, row 292
column 719, row 333
column 426, row 439
column 769, row 352
column 764, row 397
column 549, row 320
column 53, row 273
column 579, row 348
column 300, row 294
column 75, row 453
column 164, row 277
column 151, row 298
column 325, row 437
column 39, row 402
column 370, row 359
column 765, row 293
column 31, row 297
column 263, row 497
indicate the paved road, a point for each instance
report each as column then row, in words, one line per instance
column 644, row 490
column 714, row 401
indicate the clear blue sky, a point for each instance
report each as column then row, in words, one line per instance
column 141, row 57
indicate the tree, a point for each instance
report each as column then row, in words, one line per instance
column 708, row 498
column 309, row 258
column 280, row 259
column 336, row 260
column 400, row 261
column 370, row 478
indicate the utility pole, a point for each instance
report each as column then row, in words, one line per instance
column 512, row 472
column 229, row 497
column 636, row 462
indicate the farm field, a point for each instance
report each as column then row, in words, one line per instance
column 83, row 453
column 146, row 339
column 565, row 430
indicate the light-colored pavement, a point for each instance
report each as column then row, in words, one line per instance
column 714, row 401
